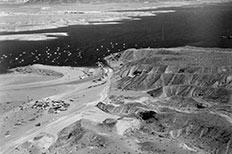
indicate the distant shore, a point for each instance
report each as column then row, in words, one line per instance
column 45, row 16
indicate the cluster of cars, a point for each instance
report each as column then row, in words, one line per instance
column 58, row 106
column 53, row 106
column 41, row 105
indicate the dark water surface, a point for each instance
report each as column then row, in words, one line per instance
column 199, row 26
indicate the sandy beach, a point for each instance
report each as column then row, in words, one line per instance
column 75, row 87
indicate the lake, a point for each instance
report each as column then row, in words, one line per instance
column 86, row 44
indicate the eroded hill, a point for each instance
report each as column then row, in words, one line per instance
column 160, row 101
column 185, row 95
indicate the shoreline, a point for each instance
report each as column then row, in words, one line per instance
column 79, row 108
column 86, row 99
column 45, row 16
